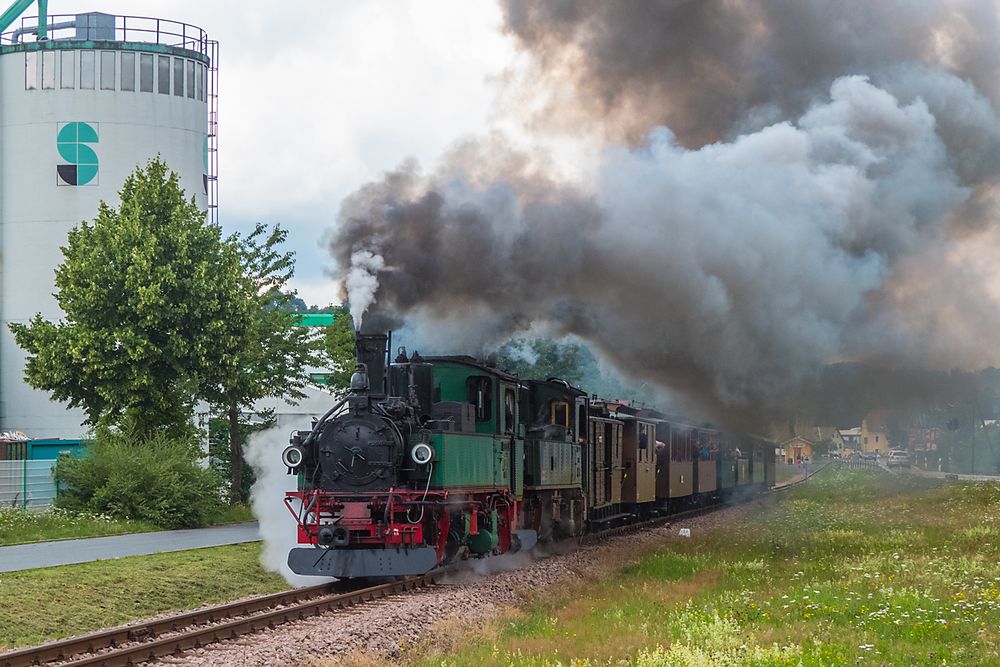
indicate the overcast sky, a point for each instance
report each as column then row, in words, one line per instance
column 318, row 98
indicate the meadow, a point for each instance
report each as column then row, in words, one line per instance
column 854, row 567
column 56, row 602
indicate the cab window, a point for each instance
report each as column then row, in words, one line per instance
column 480, row 394
column 509, row 403
column 560, row 413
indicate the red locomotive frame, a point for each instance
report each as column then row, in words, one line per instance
column 382, row 518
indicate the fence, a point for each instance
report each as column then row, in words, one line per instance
column 860, row 464
column 27, row 483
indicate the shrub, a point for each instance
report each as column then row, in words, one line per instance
column 155, row 479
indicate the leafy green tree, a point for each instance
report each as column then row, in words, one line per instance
column 146, row 289
column 263, row 353
column 220, row 449
column 338, row 349
column 540, row 358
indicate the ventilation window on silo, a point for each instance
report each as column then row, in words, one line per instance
column 67, row 69
column 201, row 83
column 31, row 70
column 108, row 70
column 145, row 73
column 48, row 70
column 190, row 78
column 128, row 71
column 163, row 74
column 179, row 77
column 87, row 62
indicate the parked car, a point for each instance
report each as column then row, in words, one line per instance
column 898, row 457
column 869, row 456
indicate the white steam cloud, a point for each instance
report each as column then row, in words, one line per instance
column 277, row 525
column 361, row 282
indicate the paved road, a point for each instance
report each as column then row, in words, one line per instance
column 961, row 477
column 65, row 552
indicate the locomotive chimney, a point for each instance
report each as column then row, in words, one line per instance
column 373, row 352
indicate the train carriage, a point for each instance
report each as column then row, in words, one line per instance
column 706, row 473
column 604, row 475
column 639, row 462
column 675, row 483
column 556, row 417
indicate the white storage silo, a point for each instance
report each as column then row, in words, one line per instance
column 78, row 112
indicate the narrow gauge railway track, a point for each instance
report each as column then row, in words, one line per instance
column 141, row 642
column 791, row 485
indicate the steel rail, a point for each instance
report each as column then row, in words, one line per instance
column 791, row 485
column 270, row 609
column 135, row 643
column 199, row 637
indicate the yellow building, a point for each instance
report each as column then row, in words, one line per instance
column 797, row 449
column 875, row 432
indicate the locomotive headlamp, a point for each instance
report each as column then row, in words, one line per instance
column 292, row 456
column 422, row 453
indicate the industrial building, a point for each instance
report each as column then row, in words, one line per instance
column 84, row 100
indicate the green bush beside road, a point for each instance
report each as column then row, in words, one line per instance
column 154, row 479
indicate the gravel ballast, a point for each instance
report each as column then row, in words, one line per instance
column 383, row 630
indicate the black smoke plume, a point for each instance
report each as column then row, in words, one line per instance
column 787, row 184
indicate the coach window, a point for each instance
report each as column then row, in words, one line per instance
column 643, row 436
column 480, row 393
column 677, row 446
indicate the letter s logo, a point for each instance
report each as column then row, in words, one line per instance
column 71, row 142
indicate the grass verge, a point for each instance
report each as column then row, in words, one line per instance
column 58, row 602
column 19, row 526
column 852, row 568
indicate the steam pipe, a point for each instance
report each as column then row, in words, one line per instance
column 18, row 8
column 16, row 38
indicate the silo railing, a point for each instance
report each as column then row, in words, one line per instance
column 141, row 29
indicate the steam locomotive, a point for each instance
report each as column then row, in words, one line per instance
column 429, row 460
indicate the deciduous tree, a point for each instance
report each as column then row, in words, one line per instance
column 265, row 353
column 146, row 289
